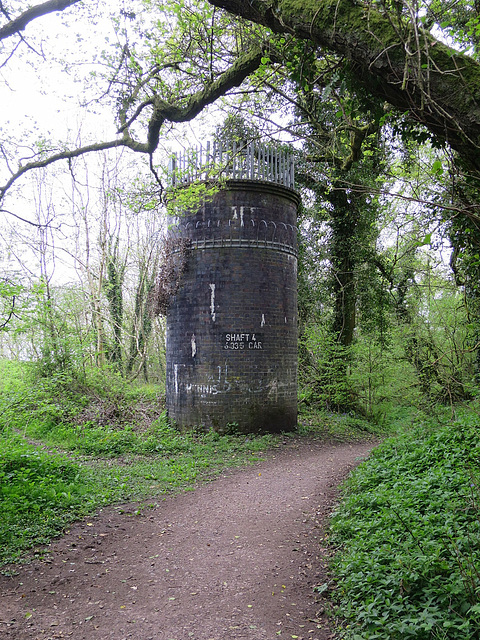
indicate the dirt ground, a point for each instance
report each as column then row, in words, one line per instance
column 236, row 558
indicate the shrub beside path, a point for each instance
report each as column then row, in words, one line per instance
column 237, row 558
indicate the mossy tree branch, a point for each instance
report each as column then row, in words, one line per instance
column 18, row 24
column 162, row 112
column 438, row 86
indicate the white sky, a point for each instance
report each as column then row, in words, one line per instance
column 36, row 90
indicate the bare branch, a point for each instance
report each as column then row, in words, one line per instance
column 20, row 22
column 162, row 111
column 138, row 111
column 11, row 54
column 10, row 315
column 33, row 224
column 66, row 155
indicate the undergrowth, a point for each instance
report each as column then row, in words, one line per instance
column 39, row 495
column 408, row 537
column 69, row 447
column 341, row 427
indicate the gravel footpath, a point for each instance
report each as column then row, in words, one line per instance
column 237, row 558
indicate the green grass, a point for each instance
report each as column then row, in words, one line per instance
column 57, row 464
column 68, row 448
column 340, row 427
column 408, row 533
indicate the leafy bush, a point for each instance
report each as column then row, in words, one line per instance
column 409, row 530
column 323, row 372
column 94, row 416
column 39, row 494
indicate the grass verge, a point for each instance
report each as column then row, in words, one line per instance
column 408, row 537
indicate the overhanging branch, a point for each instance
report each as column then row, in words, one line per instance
column 439, row 87
column 64, row 155
column 33, row 224
column 20, row 22
column 232, row 77
column 162, row 111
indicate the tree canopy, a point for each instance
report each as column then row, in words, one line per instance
column 391, row 55
column 388, row 49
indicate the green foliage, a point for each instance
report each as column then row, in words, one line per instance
column 414, row 343
column 381, row 375
column 409, row 536
column 191, row 197
column 57, row 347
column 339, row 427
column 323, row 374
column 67, row 448
column 96, row 415
column 369, row 378
column 12, row 375
column 459, row 20
column 39, row 495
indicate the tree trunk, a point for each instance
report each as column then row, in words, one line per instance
column 113, row 285
column 344, row 225
column 141, row 321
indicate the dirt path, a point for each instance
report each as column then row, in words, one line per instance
column 235, row 559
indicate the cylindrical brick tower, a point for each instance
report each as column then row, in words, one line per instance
column 232, row 324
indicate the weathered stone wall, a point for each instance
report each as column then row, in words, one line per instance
column 232, row 326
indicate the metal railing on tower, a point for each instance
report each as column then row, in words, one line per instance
column 232, row 161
